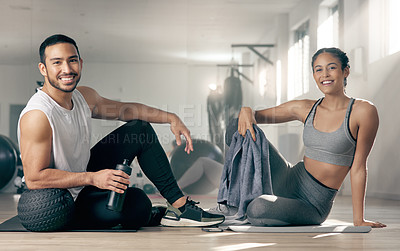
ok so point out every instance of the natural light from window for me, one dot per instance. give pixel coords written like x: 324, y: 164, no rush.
x: 299, y: 61
x: 278, y: 82
x: 328, y: 28
x: 394, y: 23
x: 262, y: 82
x: 384, y: 22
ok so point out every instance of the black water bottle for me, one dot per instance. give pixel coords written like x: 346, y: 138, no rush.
x: 116, y: 200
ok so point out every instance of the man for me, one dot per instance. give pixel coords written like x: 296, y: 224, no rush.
x: 54, y: 131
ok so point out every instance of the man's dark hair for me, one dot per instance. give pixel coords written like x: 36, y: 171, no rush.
x: 52, y: 40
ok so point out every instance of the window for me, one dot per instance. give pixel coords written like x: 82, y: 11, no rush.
x: 299, y: 62
x: 278, y: 82
x: 394, y: 22
x: 328, y: 24
x: 384, y: 20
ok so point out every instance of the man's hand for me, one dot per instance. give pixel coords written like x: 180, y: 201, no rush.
x: 178, y: 128
x: 246, y: 122
x: 114, y: 180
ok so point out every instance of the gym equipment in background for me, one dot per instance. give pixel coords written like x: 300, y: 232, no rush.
x: 232, y: 96
x: 200, y: 171
x: 232, y: 91
x: 9, y: 158
x: 225, y: 105
x: 139, y: 180
x: 46, y: 210
x: 215, y: 111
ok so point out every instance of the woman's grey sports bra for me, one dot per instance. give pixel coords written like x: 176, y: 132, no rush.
x: 337, y: 148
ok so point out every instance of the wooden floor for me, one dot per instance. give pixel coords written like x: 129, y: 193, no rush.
x: 163, y: 238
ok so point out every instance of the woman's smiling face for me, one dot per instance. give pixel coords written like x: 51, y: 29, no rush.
x: 328, y: 73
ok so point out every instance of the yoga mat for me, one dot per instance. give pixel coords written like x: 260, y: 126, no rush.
x: 14, y: 225
x: 302, y: 229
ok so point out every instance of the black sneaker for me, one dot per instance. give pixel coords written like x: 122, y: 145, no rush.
x: 157, y: 212
x: 192, y: 216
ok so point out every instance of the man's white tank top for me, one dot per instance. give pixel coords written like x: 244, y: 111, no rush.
x: 71, y: 130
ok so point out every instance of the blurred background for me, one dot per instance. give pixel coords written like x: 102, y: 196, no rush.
x: 186, y: 56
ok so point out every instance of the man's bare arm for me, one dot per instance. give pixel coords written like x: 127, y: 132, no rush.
x: 36, y: 143
x: 104, y: 108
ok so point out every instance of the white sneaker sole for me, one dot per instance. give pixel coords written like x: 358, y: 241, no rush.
x: 188, y: 223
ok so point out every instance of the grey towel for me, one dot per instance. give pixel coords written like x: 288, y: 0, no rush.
x: 246, y: 174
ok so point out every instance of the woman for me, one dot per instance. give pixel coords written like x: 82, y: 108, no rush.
x: 339, y: 132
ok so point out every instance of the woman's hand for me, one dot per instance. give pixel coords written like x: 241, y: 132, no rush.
x: 246, y: 122
x: 370, y: 223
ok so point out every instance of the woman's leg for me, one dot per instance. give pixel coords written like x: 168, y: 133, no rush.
x: 272, y: 210
x: 280, y: 168
x: 305, y: 201
x: 137, y: 139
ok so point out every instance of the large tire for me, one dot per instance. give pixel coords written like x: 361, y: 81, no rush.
x: 46, y: 210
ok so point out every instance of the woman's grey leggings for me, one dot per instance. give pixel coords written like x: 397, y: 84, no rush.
x: 298, y: 199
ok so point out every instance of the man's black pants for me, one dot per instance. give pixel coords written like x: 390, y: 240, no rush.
x: 133, y: 139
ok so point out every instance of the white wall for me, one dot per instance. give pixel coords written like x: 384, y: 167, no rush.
x: 384, y: 162
x: 177, y: 88
x: 376, y: 82
x: 17, y: 84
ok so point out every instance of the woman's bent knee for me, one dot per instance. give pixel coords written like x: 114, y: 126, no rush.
x: 261, y: 212
x: 260, y: 205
